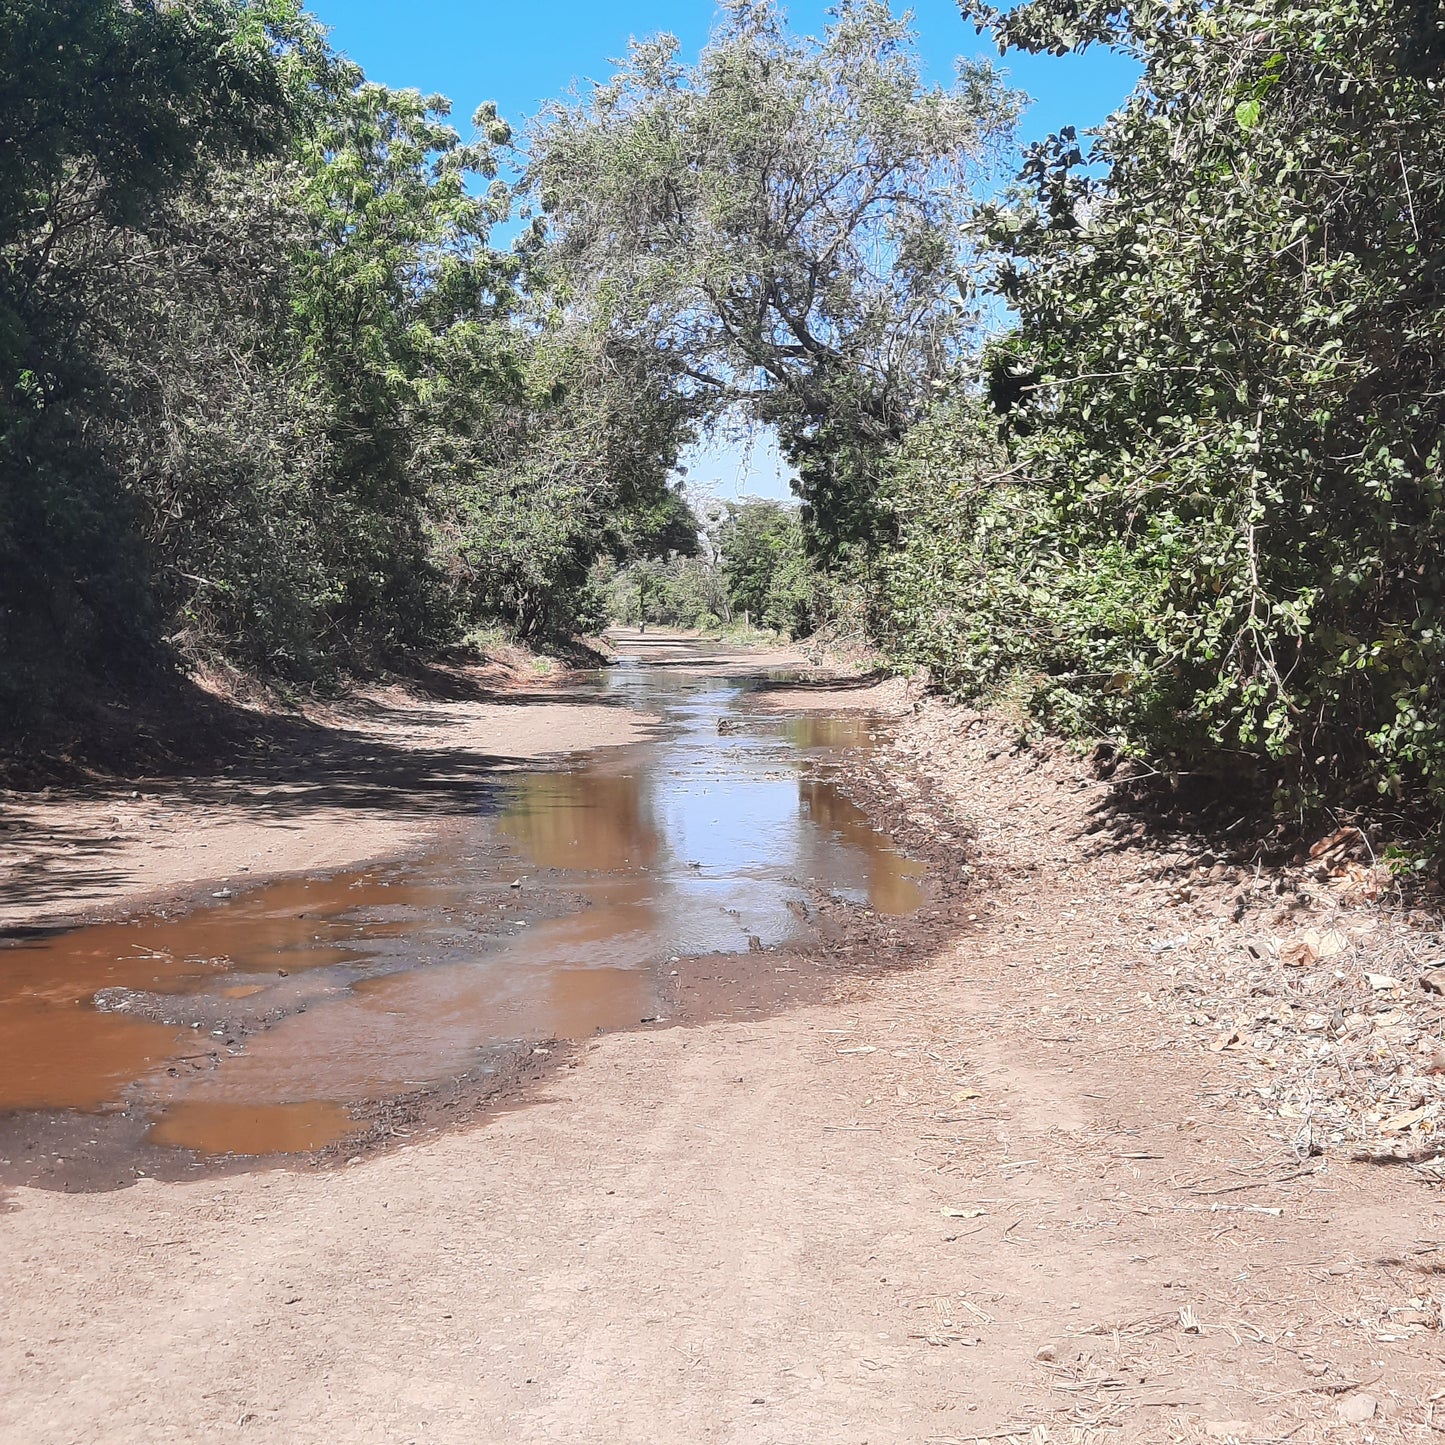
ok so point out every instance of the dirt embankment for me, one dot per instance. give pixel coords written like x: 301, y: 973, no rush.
x: 1090, y: 1170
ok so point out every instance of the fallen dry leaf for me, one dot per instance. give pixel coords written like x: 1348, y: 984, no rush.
x: 1300, y: 954
x: 1313, y: 946
x: 1401, y: 1122
x: 1339, y: 844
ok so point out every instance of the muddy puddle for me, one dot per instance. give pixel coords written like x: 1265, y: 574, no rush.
x: 259, y: 1023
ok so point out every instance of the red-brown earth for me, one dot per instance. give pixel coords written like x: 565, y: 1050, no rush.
x: 1131, y: 1140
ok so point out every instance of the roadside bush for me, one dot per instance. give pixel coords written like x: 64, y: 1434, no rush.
x: 1221, y: 538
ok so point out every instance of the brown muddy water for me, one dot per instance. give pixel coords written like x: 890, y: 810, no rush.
x: 260, y: 1023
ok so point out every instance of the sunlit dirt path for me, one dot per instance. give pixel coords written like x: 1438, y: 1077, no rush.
x: 923, y: 1211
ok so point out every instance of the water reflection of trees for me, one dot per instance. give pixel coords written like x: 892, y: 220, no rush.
x: 892, y: 879
x: 825, y: 730
x: 586, y: 819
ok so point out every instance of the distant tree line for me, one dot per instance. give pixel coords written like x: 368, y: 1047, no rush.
x: 750, y: 569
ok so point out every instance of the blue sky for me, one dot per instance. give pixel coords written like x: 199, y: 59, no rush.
x: 523, y: 54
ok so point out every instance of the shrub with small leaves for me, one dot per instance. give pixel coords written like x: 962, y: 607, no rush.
x: 1224, y: 541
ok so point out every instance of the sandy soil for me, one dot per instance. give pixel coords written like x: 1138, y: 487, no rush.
x: 1010, y: 1192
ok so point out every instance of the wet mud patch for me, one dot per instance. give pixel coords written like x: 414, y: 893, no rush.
x: 720, y: 870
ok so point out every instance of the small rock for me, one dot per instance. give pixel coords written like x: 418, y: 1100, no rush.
x: 1046, y: 1352
x: 1433, y: 979
x: 1357, y: 1409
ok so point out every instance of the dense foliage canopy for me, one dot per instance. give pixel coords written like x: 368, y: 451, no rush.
x: 267, y: 394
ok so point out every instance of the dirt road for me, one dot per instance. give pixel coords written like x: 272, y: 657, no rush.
x: 1004, y: 1191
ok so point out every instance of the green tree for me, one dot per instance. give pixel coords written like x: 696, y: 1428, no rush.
x: 576, y: 466
x: 109, y: 111
x: 783, y: 224
x: 401, y: 309
x: 765, y: 566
